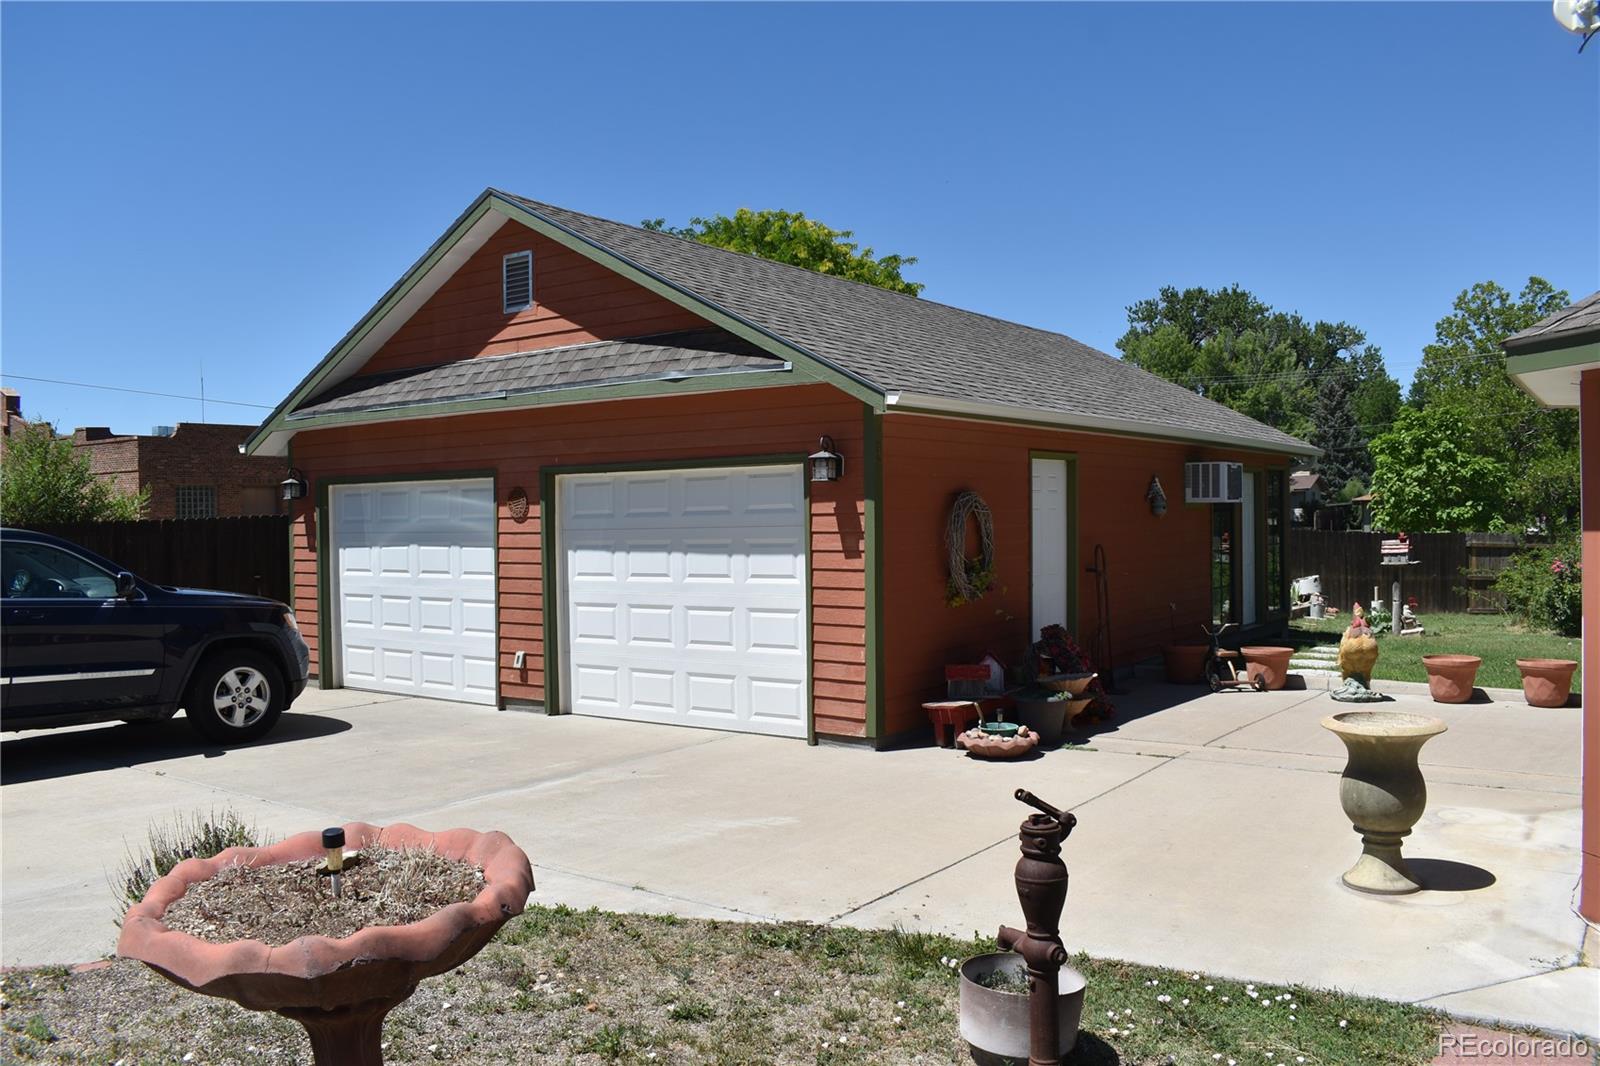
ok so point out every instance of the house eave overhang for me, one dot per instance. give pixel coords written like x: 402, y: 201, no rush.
x: 947, y: 407
x: 1551, y: 375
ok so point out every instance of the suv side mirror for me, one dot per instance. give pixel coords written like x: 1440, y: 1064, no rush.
x: 126, y: 585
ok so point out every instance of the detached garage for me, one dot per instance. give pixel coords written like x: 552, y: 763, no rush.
x: 575, y: 466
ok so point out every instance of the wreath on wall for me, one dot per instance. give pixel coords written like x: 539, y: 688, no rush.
x: 969, y: 577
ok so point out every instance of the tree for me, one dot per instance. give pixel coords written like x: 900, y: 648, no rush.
x: 43, y: 481
x: 1465, y: 354
x: 790, y: 237
x: 1428, y: 480
x: 1318, y: 381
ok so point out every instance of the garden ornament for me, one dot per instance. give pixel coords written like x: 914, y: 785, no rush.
x: 1157, y: 497
x: 1041, y: 879
x: 1358, y: 653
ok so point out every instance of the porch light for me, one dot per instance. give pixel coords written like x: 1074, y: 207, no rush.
x: 293, y: 487
x: 826, y: 464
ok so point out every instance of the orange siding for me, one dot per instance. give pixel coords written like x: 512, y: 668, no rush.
x: 517, y: 444
x: 1159, y: 566
x: 575, y: 301
x: 1589, y: 415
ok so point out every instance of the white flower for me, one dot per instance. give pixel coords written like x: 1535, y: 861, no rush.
x: 844, y: 1038
x: 775, y: 993
x: 900, y: 1003
x: 188, y: 1057
x: 1211, y: 988
x: 1185, y: 1003
x: 432, y: 1048
x: 1344, y: 1023
x: 1269, y: 1054
x: 1217, y: 1057
x: 824, y: 1043
x: 1111, y: 1014
x: 650, y: 1054
x: 1126, y: 1013
x: 1233, y: 1062
x: 1248, y: 987
x: 1224, y: 999
x: 897, y: 1019
x: 581, y: 992
x: 1291, y: 1017
x: 1194, y: 977
x: 1252, y: 993
x: 944, y: 960
x: 1299, y: 1058
x: 446, y: 1006
x: 1163, y: 999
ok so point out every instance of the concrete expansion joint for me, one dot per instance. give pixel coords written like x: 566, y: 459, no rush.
x: 1574, y: 964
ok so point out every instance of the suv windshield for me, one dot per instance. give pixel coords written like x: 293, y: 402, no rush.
x: 39, y: 572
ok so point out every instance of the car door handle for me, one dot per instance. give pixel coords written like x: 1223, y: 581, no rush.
x: 25, y: 614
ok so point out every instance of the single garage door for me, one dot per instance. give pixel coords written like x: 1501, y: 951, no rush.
x: 415, y: 587
x: 685, y: 597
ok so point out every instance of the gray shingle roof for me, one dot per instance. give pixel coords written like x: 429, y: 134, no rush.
x: 1568, y: 327
x: 906, y: 344
x: 549, y: 369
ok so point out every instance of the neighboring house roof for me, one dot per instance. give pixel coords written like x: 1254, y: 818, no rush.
x: 1301, y: 480
x: 1568, y: 327
x: 896, y: 351
x: 673, y: 355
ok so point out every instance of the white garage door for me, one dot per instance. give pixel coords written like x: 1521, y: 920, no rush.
x: 686, y: 597
x: 414, y: 587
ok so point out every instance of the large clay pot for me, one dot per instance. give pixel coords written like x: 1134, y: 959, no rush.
x: 995, y: 1022
x: 1450, y: 677
x: 1382, y: 791
x: 1547, y: 682
x: 339, y: 990
x: 1271, y: 664
x: 1185, y: 663
x: 1044, y: 717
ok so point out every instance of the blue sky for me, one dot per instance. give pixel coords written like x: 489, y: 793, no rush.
x: 229, y: 188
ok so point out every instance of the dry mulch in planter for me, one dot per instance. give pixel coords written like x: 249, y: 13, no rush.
x: 280, y: 902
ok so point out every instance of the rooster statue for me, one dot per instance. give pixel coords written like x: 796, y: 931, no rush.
x: 1358, y: 653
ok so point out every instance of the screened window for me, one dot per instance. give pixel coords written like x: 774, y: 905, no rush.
x: 1277, y: 586
x: 197, y: 501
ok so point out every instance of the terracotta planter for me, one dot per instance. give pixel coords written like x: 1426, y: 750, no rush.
x: 1382, y: 791
x: 1450, y: 677
x: 984, y: 746
x: 995, y: 1022
x: 1271, y: 664
x: 339, y: 990
x: 1185, y: 663
x: 1547, y: 682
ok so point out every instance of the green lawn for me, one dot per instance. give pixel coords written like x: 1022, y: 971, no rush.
x: 1494, y: 638
x: 592, y: 988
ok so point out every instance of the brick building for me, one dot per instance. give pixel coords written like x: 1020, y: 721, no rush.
x: 194, y: 470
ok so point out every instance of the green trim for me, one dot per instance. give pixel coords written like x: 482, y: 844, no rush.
x: 872, y: 497
x: 1074, y: 553
x: 549, y: 574
x: 626, y: 390
x: 816, y: 366
x: 1553, y: 351
x: 397, y: 292
x: 325, y: 633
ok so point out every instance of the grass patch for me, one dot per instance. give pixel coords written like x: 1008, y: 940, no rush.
x: 637, y: 989
x: 1495, y: 638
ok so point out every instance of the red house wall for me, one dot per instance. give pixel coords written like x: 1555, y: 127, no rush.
x: 1159, y: 567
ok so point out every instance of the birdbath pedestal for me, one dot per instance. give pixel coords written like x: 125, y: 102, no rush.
x: 1382, y: 791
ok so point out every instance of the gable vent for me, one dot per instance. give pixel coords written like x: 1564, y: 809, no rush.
x: 517, y: 273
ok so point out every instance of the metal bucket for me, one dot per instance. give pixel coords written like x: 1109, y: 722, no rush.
x: 995, y: 1023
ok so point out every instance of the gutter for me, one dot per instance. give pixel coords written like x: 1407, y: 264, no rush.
x: 922, y: 403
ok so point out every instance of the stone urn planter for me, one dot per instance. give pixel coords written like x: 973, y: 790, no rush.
x: 995, y: 1020
x: 1268, y: 663
x: 1451, y: 677
x: 339, y: 990
x: 1185, y: 663
x: 1382, y: 791
x: 1547, y: 682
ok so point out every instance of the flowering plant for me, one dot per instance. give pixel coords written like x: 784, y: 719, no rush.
x: 1543, y: 587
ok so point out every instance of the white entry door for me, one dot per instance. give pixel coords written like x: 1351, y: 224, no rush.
x: 414, y: 587
x: 1051, y: 552
x: 685, y: 597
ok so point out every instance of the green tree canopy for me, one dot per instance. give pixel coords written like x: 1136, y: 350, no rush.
x: 1321, y: 381
x: 44, y: 480
x: 1428, y: 480
x: 790, y: 237
x: 1465, y: 355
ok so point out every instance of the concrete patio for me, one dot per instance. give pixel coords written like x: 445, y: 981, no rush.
x: 1210, y: 835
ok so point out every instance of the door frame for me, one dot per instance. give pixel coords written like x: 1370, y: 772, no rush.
x: 327, y: 620
x: 1070, y: 459
x: 552, y: 574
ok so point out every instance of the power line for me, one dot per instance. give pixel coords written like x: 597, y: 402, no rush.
x: 141, y: 392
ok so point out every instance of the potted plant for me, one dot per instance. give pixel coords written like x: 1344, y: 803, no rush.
x: 1451, y: 677
x: 1268, y: 663
x: 994, y: 1006
x: 1184, y: 660
x: 338, y: 988
x: 1547, y: 682
x: 1050, y: 703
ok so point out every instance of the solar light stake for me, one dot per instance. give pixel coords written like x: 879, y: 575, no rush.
x: 333, y: 840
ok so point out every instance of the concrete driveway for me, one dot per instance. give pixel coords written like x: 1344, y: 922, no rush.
x: 1210, y: 835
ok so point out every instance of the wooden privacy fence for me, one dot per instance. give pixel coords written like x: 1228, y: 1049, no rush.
x: 1454, y: 572
x: 249, y: 555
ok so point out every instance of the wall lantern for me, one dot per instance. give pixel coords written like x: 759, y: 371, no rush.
x: 1157, y: 497
x: 826, y: 464
x: 293, y: 487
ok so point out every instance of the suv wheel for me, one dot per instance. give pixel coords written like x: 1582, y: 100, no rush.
x: 235, y: 697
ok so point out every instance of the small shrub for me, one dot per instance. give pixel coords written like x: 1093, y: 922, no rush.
x: 194, y: 836
x: 1543, y: 587
x: 692, y: 1010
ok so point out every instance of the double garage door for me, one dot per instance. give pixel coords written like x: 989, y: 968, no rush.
x: 682, y: 594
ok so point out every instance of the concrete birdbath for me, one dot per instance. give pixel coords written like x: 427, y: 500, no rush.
x: 1382, y: 791
x: 338, y: 989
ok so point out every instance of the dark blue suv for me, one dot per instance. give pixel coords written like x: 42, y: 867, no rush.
x: 86, y: 641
